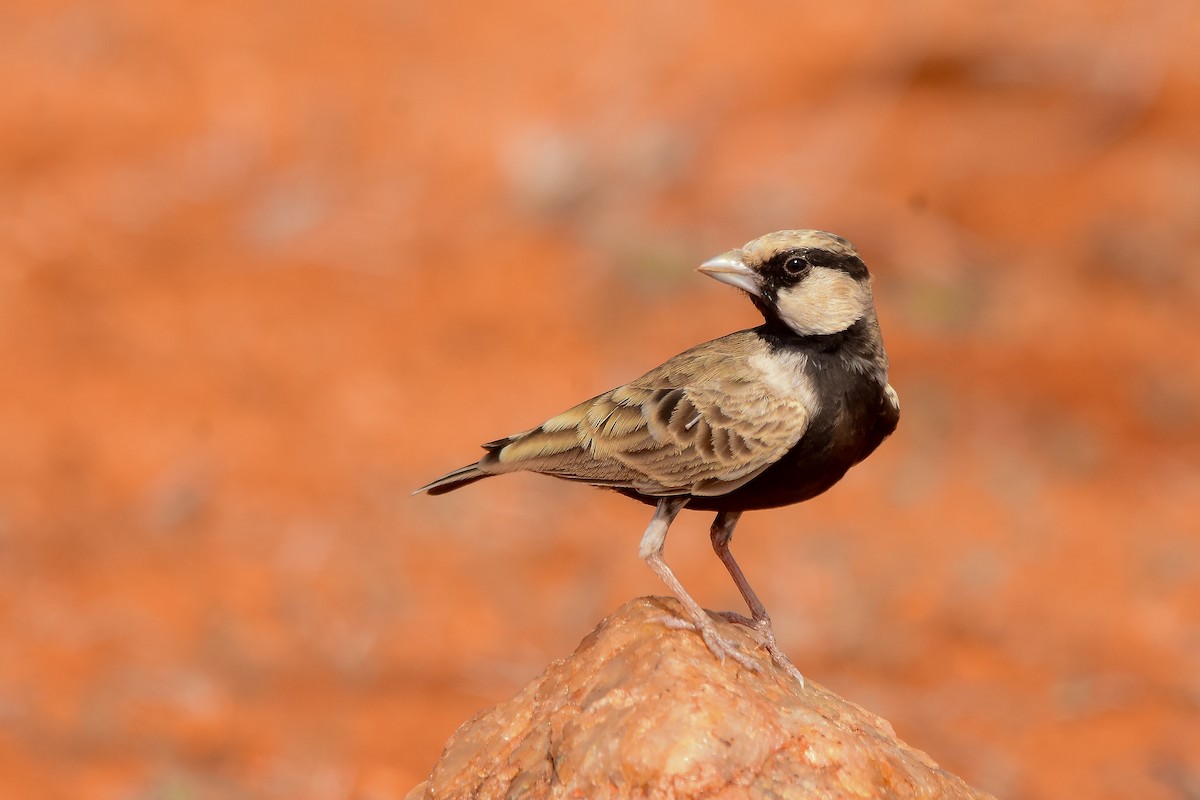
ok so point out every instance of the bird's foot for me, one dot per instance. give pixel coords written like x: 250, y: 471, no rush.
x: 783, y: 662
x: 736, y: 618
x: 718, y: 644
x: 761, y: 625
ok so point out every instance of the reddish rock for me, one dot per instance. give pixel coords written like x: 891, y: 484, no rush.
x: 644, y: 711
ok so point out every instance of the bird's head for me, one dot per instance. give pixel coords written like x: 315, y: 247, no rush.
x: 811, y: 281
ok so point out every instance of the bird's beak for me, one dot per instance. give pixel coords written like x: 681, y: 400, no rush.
x: 730, y: 268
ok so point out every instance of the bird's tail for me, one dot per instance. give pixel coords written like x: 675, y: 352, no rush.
x: 454, y: 480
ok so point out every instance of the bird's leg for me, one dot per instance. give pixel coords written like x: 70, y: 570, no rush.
x: 721, y: 534
x: 651, y: 551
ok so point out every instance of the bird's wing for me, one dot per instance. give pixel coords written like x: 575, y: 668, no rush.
x: 699, y: 424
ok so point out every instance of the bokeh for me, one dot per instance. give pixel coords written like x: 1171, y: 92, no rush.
x: 266, y: 267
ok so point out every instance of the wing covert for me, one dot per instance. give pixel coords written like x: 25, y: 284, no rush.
x: 686, y: 427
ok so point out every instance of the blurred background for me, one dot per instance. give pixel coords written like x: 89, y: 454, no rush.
x: 266, y: 267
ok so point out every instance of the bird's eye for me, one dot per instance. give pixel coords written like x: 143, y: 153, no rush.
x: 795, y: 265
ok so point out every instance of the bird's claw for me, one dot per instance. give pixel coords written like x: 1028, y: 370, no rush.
x: 761, y: 626
x: 716, y: 643
x: 736, y: 618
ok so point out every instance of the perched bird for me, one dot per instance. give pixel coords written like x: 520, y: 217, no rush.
x: 760, y: 418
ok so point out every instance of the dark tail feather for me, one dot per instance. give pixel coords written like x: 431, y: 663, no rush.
x: 454, y: 480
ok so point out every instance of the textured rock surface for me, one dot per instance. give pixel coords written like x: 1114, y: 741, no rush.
x: 641, y: 710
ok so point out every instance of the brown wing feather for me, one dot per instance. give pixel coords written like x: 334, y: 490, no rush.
x: 690, y: 426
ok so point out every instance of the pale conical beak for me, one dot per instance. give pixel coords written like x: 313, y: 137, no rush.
x: 729, y: 268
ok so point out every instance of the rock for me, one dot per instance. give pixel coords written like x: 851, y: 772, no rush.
x: 641, y: 710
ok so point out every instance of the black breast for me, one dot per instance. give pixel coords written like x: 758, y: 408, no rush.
x: 855, y: 416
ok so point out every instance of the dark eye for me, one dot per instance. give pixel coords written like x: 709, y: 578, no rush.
x: 794, y: 265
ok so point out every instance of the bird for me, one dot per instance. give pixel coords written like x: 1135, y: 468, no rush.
x: 757, y: 419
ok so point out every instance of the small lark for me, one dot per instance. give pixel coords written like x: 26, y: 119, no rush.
x: 760, y: 418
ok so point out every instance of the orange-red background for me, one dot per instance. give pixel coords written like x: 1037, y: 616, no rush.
x: 265, y: 267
